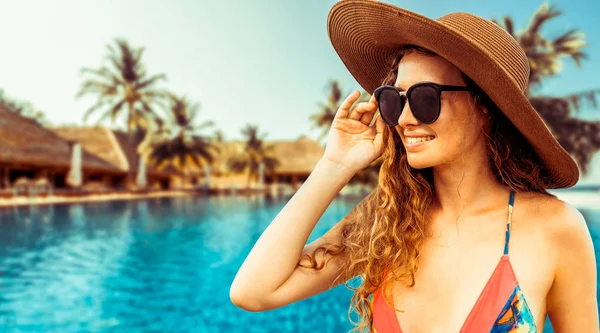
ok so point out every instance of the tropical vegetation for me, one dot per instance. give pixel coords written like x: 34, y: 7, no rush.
x: 579, y: 137
x: 256, y: 155
x: 125, y: 89
x: 322, y: 120
x: 178, y: 142
x: 23, y: 108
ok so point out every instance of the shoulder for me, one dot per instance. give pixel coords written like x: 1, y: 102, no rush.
x: 569, y: 250
x: 558, y: 218
x: 562, y: 225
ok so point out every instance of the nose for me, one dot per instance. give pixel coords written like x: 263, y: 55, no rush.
x: 406, y: 117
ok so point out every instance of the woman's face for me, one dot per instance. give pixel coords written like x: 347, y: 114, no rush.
x: 457, y: 131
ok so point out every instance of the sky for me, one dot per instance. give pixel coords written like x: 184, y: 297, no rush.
x: 259, y: 62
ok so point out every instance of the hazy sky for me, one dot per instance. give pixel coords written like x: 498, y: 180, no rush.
x: 260, y: 62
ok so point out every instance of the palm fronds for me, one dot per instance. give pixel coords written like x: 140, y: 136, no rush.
x: 255, y: 153
x: 178, y: 141
x: 123, y: 87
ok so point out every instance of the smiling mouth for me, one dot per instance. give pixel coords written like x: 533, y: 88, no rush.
x: 410, y: 140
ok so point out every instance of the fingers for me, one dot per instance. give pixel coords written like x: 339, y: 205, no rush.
x: 367, y: 117
x: 380, y: 127
x: 344, y: 109
x: 364, y: 109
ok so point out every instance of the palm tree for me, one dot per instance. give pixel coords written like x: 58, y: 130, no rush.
x: 545, y: 55
x: 178, y: 142
x: 124, y: 87
x: 218, y: 136
x: 254, y: 154
x: 579, y: 137
x: 324, y: 117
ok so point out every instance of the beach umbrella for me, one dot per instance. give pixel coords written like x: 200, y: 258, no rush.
x: 74, y: 176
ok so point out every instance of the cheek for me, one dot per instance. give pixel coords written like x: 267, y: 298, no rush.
x: 456, y: 130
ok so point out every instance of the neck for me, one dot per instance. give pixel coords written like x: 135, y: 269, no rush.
x: 467, y: 189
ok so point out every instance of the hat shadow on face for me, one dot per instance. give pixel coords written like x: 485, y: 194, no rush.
x: 461, y: 119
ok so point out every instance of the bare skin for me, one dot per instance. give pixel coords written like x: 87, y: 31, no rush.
x: 464, y: 247
x: 550, y: 247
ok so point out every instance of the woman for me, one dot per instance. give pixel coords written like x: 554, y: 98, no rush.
x: 460, y: 233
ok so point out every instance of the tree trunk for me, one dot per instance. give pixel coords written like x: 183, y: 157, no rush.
x: 207, y: 176
x: 261, y: 175
x: 141, y: 173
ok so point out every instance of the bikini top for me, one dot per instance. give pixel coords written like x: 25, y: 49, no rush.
x: 500, y: 308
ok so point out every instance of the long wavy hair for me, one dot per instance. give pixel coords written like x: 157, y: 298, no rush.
x: 385, y: 232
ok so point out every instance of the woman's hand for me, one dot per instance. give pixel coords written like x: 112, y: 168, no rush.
x: 352, y: 143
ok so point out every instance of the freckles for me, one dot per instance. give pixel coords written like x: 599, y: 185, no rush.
x: 449, y: 116
x: 458, y: 117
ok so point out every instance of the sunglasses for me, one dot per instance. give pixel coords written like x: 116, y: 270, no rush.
x: 423, y: 98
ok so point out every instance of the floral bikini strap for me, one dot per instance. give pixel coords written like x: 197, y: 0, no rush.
x: 511, y: 202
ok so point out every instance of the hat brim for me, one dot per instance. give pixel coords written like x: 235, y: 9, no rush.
x: 367, y: 35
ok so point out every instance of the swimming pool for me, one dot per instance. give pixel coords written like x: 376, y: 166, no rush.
x: 156, y: 265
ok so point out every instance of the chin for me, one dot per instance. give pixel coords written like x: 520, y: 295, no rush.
x: 419, y: 163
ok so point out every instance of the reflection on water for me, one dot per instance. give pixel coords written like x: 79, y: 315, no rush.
x: 162, y: 264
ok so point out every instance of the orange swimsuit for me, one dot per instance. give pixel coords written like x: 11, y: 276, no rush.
x: 500, y: 308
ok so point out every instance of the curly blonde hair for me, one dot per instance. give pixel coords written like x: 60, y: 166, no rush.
x: 385, y: 232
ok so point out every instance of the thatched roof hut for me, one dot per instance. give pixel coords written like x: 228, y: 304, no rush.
x: 98, y: 140
x: 24, y: 142
x: 226, y: 151
x: 129, y: 145
x: 296, y: 157
x: 114, y: 146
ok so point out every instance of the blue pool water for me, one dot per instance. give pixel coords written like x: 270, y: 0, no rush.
x: 156, y: 265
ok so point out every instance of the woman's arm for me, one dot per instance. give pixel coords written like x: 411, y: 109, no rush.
x: 273, y: 260
x: 270, y: 276
x: 572, y: 304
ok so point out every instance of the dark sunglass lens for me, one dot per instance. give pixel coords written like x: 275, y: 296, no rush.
x: 390, y: 106
x: 425, y: 103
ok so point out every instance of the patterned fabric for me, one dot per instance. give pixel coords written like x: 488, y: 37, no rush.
x: 515, y: 316
x: 501, y: 294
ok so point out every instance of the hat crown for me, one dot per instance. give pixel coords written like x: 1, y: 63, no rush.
x: 496, y: 42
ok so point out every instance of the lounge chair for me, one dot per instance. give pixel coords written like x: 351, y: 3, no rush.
x: 21, y: 186
x: 40, y: 186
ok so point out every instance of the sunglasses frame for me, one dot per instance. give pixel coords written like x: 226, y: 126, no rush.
x: 437, y: 87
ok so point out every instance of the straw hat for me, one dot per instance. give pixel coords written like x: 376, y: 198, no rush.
x: 367, y: 35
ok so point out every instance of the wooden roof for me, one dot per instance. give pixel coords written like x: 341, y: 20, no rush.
x: 295, y: 156
x: 113, y: 146
x: 98, y: 140
x: 129, y: 148
x: 299, y: 156
x: 24, y: 141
